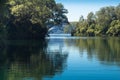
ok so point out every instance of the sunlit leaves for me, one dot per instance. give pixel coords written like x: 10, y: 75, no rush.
x: 114, y: 28
x: 106, y: 21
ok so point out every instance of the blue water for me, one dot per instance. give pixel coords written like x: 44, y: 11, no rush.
x: 83, y: 62
x: 61, y: 58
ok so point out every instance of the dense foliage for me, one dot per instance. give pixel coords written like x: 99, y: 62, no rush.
x: 30, y: 19
x: 106, y: 21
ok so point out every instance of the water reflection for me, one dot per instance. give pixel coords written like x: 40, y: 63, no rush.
x: 60, y: 58
x: 57, y: 53
x: 28, y: 60
x: 106, y: 50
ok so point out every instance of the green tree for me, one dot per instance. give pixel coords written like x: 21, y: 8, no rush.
x: 81, y: 28
x: 114, y: 29
x: 91, y: 30
x: 35, y: 11
x: 117, y: 11
x: 81, y: 18
x: 30, y: 18
x: 4, y: 15
x: 91, y: 18
x: 103, y: 22
x: 59, y: 16
x: 104, y: 17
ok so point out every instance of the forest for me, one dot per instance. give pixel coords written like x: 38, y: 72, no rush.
x: 105, y: 22
x: 29, y: 19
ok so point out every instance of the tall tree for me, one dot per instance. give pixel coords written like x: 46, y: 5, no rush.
x: 104, y: 17
x: 59, y: 14
x: 117, y: 11
x: 91, y: 18
x: 31, y: 17
x: 81, y: 18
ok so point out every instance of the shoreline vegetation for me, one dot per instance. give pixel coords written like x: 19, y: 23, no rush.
x: 31, y: 19
x: 105, y: 22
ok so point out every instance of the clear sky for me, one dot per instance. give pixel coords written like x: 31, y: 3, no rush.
x: 76, y: 8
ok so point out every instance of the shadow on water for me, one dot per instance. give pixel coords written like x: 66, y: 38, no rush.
x: 28, y: 60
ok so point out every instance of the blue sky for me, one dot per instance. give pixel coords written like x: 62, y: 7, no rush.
x: 76, y: 8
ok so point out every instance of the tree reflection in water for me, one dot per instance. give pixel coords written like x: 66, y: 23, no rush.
x: 105, y: 50
x: 23, y: 60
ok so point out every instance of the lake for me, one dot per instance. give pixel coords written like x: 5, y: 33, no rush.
x: 61, y: 58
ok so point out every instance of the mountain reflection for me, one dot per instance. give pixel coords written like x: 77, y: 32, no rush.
x: 105, y: 50
x: 29, y: 60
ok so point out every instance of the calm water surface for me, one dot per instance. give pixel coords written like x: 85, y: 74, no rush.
x: 61, y: 58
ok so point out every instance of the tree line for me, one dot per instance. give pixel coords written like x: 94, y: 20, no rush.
x: 30, y: 19
x: 105, y: 22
